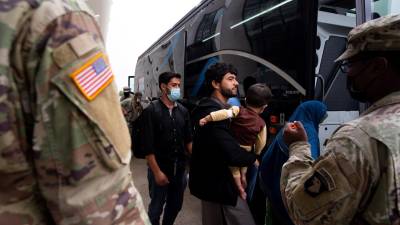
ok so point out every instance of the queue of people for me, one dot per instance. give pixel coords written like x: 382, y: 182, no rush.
x: 76, y: 170
x: 349, y: 184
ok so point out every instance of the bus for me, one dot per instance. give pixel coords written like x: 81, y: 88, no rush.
x: 290, y: 45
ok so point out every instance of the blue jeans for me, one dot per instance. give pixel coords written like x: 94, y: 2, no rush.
x: 170, y: 195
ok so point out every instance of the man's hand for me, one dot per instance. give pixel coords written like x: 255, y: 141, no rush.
x: 161, y: 179
x: 294, y: 132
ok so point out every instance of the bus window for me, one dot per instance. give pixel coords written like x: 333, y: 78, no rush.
x: 384, y: 7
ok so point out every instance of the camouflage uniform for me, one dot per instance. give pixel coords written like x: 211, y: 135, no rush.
x: 125, y: 94
x: 357, y: 180
x: 131, y: 109
x: 64, y: 158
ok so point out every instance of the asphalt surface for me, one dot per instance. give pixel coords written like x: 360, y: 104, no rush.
x: 191, y: 210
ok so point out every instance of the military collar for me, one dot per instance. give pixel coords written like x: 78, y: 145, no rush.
x: 392, y: 98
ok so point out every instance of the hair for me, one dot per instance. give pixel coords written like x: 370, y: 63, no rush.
x: 216, y: 73
x: 166, y: 77
x: 258, y: 95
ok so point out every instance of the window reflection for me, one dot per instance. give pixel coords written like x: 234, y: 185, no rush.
x: 275, y: 36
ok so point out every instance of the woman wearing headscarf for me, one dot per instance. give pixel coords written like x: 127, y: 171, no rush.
x: 311, y: 114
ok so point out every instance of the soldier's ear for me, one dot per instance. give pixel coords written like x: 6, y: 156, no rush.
x: 379, y: 65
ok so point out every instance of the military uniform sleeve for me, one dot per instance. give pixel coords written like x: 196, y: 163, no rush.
x: 332, y: 189
x: 80, y: 142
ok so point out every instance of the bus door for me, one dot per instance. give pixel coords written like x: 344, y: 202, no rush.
x: 335, y: 19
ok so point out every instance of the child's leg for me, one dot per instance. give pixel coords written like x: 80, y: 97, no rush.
x: 238, y: 182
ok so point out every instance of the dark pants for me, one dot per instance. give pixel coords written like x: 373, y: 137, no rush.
x: 219, y: 214
x: 170, y: 195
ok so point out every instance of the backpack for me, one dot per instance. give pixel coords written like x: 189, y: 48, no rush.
x: 137, y: 134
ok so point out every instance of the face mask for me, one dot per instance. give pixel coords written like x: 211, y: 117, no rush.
x: 174, y: 94
x: 355, y: 94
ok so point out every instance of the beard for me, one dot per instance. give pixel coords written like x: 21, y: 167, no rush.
x: 228, y: 93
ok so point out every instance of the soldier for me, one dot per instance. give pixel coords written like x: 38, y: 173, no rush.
x: 126, y: 93
x: 132, y: 108
x: 64, y: 149
x: 357, y: 180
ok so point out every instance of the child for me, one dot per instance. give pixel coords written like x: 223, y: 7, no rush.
x: 247, y: 126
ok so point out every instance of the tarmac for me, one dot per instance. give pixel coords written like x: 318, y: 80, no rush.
x: 191, y: 210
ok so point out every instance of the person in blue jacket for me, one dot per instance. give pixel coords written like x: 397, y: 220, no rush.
x: 311, y: 114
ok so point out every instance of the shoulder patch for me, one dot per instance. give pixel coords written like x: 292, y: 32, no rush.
x: 93, y: 76
x: 319, y: 182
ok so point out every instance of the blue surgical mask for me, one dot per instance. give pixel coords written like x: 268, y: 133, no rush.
x: 174, y: 94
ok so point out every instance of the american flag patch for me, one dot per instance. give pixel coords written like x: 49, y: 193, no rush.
x: 93, y: 76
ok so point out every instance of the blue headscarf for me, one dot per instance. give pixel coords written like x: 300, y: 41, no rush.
x: 310, y: 114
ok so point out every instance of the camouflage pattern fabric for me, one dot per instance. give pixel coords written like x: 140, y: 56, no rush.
x: 131, y: 109
x: 357, y: 180
x: 63, y: 159
x: 381, y: 34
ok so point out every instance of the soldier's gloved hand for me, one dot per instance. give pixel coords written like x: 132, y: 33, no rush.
x: 294, y: 132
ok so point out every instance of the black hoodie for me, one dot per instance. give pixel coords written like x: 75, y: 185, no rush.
x: 214, y: 151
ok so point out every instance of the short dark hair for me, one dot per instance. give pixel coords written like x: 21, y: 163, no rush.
x: 165, y: 77
x: 216, y: 73
x: 258, y: 95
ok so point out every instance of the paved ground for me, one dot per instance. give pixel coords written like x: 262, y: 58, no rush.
x: 190, y: 213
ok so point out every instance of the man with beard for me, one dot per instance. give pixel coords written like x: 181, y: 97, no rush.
x: 357, y: 180
x: 214, y: 151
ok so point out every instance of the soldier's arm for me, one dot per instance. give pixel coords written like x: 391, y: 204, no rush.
x: 331, y: 189
x: 81, y: 143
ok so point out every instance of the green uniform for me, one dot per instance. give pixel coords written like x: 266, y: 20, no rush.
x: 131, y: 109
x: 64, y: 146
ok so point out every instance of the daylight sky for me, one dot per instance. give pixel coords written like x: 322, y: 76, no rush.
x: 135, y: 25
